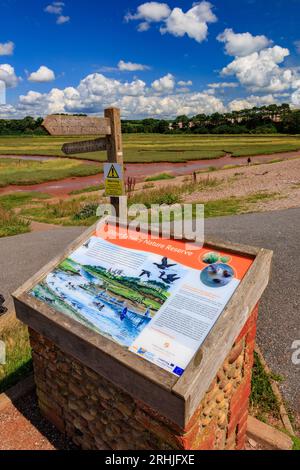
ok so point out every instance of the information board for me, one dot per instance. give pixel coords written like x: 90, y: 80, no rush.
x: 157, y: 298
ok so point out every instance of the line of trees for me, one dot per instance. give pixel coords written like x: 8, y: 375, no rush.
x: 26, y: 126
x: 264, y: 120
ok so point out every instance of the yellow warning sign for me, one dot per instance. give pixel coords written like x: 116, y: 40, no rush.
x: 113, y: 173
x: 113, y: 188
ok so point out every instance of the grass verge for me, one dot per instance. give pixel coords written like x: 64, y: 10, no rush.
x: 13, y: 201
x: 11, y: 224
x: 18, y: 356
x: 263, y: 401
x: 234, y: 205
x: 77, y: 211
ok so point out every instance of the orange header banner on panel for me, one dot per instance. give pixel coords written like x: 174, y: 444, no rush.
x: 187, y: 254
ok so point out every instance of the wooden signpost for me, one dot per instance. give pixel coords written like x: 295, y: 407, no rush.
x: 76, y: 125
x: 109, y: 127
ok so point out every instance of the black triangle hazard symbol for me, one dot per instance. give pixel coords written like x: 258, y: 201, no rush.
x: 113, y: 173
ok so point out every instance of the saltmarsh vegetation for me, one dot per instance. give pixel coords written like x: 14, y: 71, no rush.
x: 29, y: 172
x: 147, y: 148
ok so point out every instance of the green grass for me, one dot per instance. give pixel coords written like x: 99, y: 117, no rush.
x: 12, y: 201
x: 234, y: 205
x: 11, y: 224
x: 263, y: 400
x: 72, y: 212
x: 21, y: 172
x: 18, y: 356
x: 162, y: 176
x: 82, y: 211
x: 296, y: 442
x: 172, y: 194
x: 89, y: 189
x: 139, y: 148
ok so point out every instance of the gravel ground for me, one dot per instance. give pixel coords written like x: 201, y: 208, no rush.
x: 22, y: 427
x: 282, y: 178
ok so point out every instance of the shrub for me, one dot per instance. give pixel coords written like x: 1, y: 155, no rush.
x: 87, y: 211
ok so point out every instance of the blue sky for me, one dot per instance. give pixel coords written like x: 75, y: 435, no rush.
x: 150, y: 58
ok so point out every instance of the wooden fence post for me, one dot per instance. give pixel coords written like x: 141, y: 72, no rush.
x: 115, y: 148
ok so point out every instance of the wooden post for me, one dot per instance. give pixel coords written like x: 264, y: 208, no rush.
x: 115, y: 147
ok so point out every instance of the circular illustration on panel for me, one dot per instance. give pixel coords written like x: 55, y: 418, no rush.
x: 217, y: 275
x: 213, y: 257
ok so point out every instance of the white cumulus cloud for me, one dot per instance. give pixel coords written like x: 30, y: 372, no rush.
x: 150, y: 11
x: 185, y: 83
x: 251, y: 101
x: 242, y: 44
x: 131, y: 66
x: 7, y: 48
x: 8, y: 75
x: 96, y: 92
x: 261, y: 70
x: 295, y: 98
x: 193, y: 23
x: 164, y: 84
x: 42, y: 75
x: 217, y: 85
x: 259, y: 66
x: 142, y: 27
x: 57, y: 8
x: 7, y: 111
x: 63, y: 19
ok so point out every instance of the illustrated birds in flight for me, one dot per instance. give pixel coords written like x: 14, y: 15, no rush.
x: 164, y: 264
